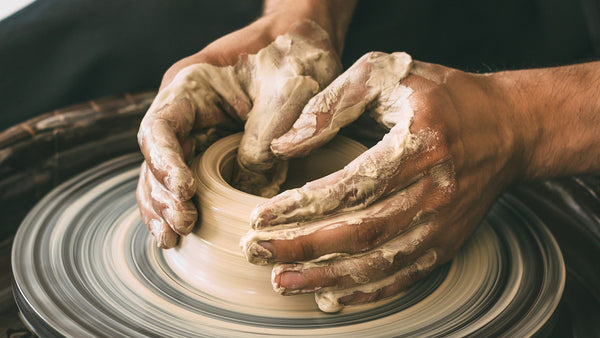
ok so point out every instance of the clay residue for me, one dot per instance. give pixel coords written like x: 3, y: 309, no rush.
x: 268, y: 89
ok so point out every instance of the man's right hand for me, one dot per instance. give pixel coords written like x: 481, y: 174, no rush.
x: 261, y: 75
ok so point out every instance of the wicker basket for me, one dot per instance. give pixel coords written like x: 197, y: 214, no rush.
x: 40, y: 153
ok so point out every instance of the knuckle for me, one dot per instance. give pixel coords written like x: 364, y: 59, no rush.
x: 409, y: 245
x: 444, y: 178
x: 372, y: 56
x: 379, y: 264
x: 255, y: 160
x: 434, y: 142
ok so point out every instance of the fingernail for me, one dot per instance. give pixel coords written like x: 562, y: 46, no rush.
x: 181, y: 184
x: 259, y: 219
x: 182, y: 222
x: 260, y: 253
x: 292, y: 280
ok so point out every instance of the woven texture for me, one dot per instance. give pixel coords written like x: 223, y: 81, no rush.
x: 40, y: 153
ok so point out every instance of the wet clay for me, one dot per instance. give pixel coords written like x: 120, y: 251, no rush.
x: 210, y: 258
x: 265, y: 89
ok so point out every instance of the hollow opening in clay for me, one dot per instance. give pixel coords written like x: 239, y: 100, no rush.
x: 300, y: 170
x: 210, y: 258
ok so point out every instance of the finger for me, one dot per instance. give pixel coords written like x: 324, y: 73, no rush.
x: 280, y: 79
x: 356, y: 231
x: 273, y: 113
x: 181, y: 216
x: 160, y: 137
x: 287, y: 73
x: 430, y: 71
x: 348, y: 233
x: 398, y: 160
x: 259, y: 172
x: 162, y: 232
x: 345, y: 272
x: 333, y: 300
x: 342, y: 102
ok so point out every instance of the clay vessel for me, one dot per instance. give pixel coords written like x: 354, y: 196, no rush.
x: 210, y: 258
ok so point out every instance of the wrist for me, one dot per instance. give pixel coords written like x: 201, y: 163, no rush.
x: 333, y: 16
x: 554, y: 114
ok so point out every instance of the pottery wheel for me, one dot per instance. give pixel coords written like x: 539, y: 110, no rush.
x: 84, y: 264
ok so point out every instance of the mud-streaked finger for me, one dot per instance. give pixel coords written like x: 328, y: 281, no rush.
x: 180, y: 215
x: 284, y: 76
x: 162, y: 232
x: 348, y: 233
x: 333, y: 300
x: 273, y: 113
x: 160, y: 140
x: 342, y: 102
x: 350, y: 271
x: 398, y: 160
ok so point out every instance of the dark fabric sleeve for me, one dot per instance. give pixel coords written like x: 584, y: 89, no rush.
x: 57, y: 52
x: 475, y: 35
x: 591, y: 10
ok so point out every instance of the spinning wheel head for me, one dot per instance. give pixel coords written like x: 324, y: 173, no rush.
x: 84, y: 264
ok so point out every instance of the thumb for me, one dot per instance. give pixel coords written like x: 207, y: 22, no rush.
x: 282, y: 77
x: 273, y: 113
x: 342, y: 102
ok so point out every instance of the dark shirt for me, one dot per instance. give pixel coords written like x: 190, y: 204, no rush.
x: 58, y: 52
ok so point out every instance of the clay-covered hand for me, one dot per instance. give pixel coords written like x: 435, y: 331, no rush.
x: 249, y: 77
x: 404, y: 206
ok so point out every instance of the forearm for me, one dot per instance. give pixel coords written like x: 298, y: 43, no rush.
x: 332, y: 15
x: 556, y: 116
x: 278, y: 17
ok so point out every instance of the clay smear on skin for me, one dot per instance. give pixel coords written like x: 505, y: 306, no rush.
x: 393, y: 109
x: 373, y: 166
x: 389, y: 101
x: 328, y: 299
x: 401, y: 201
x: 279, y: 68
x: 344, y: 265
x: 198, y: 91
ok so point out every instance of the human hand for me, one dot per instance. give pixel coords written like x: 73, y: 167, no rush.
x: 403, y: 207
x: 222, y: 87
